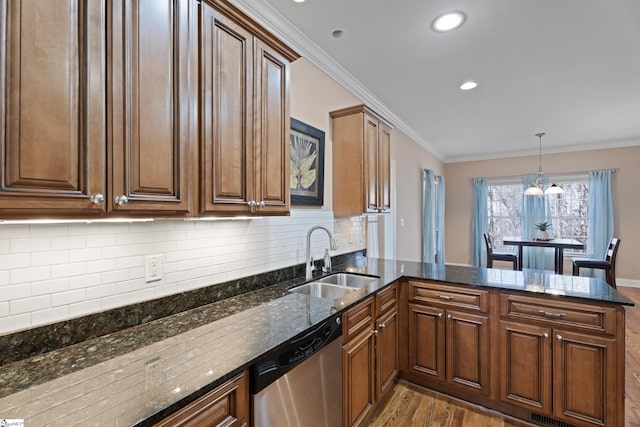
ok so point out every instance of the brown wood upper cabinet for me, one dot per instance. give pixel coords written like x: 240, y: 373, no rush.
x: 98, y: 97
x: 245, y: 116
x: 153, y: 69
x: 361, y: 161
x: 52, y: 107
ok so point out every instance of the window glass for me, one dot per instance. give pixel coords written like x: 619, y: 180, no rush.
x: 569, y: 211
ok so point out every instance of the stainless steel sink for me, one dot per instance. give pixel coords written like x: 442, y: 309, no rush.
x: 323, y: 290
x: 348, y: 279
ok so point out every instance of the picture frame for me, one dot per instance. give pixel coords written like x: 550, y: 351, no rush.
x: 306, y: 182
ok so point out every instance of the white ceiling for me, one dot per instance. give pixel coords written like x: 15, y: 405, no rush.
x: 570, y: 68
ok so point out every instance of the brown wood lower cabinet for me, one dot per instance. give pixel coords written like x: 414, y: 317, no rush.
x: 369, y: 354
x: 448, y: 345
x: 541, y: 358
x: 226, y: 405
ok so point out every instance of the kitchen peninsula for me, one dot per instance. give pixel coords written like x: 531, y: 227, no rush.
x: 145, y: 372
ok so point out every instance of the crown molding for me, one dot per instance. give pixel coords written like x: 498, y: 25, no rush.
x: 270, y: 18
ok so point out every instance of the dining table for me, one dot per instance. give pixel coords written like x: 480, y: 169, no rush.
x: 559, y: 245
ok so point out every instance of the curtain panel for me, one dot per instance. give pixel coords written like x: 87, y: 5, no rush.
x: 601, y: 220
x: 433, y: 197
x: 479, y: 223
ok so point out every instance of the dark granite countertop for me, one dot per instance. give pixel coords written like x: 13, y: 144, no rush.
x: 128, y: 376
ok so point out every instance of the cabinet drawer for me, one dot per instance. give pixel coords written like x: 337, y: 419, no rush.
x: 226, y: 405
x: 386, y: 299
x: 425, y: 292
x: 583, y: 316
x: 357, y: 319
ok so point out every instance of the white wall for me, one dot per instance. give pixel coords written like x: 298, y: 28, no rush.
x: 54, y: 272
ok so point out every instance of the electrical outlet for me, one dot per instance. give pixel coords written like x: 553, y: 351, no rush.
x: 152, y: 268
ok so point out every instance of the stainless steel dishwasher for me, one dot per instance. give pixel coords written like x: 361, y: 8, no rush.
x: 300, y: 385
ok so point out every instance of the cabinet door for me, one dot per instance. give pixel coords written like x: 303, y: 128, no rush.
x: 583, y: 382
x: 371, y: 129
x: 384, y: 168
x: 52, y: 106
x: 226, y: 111
x: 525, y: 367
x: 427, y: 342
x: 272, y: 130
x: 358, y: 387
x: 386, y: 352
x: 154, y: 61
x: 468, y: 351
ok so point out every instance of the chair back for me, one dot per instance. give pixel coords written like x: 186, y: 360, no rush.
x: 612, y: 251
x: 488, y: 243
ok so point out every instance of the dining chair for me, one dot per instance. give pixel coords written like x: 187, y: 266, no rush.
x: 493, y: 255
x: 608, y: 264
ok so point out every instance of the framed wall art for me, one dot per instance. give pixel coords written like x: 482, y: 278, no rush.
x: 307, y: 164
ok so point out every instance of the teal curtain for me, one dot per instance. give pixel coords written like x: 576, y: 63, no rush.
x: 601, y: 221
x: 428, y: 218
x: 479, y: 222
x: 440, y: 220
x: 535, y: 209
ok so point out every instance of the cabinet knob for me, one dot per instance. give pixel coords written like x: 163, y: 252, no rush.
x: 262, y: 204
x: 374, y: 332
x: 545, y: 335
x: 559, y: 337
x: 382, y: 326
x: 440, y: 315
x: 97, y: 198
x: 122, y: 200
x: 449, y: 316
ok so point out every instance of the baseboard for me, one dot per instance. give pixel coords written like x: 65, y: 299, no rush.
x: 628, y: 283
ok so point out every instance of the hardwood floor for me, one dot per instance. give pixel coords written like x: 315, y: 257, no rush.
x: 411, y: 406
x: 632, y: 359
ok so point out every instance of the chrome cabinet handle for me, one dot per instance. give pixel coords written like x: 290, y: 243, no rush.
x: 382, y: 326
x: 97, y: 198
x: 262, y: 204
x: 449, y: 316
x: 440, y: 315
x: 374, y: 332
x: 559, y: 337
x: 122, y: 200
x: 545, y: 335
x: 445, y: 297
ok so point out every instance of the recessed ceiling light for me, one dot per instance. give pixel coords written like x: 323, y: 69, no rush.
x: 468, y: 85
x: 448, y: 21
x: 299, y: 1
x: 337, y: 34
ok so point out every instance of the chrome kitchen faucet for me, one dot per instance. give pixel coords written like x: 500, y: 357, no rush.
x: 308, y: 260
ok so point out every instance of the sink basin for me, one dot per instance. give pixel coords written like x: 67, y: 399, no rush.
x: 348, y: 279
x: 323, y: 290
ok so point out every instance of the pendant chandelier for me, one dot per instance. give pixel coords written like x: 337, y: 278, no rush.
x: 536, y: 187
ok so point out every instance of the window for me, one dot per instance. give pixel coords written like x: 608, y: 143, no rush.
x: 568, y: 211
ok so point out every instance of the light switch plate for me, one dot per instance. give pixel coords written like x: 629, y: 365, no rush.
x: 152, y: 268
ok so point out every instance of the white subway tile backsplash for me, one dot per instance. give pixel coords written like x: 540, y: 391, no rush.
x: 68, y: 297
x: 53, y: 286
x: 68, y: 270
x: 4, y: 308
x: 9, y: 261
x: 51, y: 315
x: 78, y: 269
x: 29, y: 305
x: 23, y: 275
x: 30, y: 245
x: 71, y: 242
